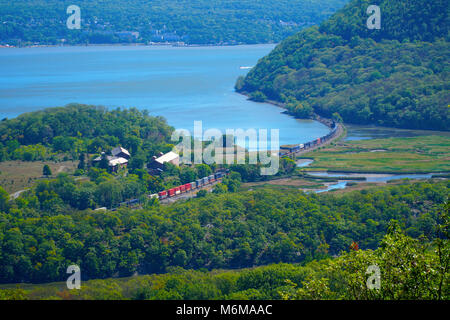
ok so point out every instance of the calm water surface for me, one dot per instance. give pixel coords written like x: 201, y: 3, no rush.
x: 183, y: 84
x: 356, y: 132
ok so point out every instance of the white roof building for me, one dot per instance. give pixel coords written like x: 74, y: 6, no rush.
x: 113, y: 161
x: 121, y: 152
x: 171, y: 157
x: 117, y: 161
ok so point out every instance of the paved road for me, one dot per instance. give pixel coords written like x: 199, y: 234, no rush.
x: 15, y: 195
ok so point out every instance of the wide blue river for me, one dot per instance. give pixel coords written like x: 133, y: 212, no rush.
x: 182, y: 84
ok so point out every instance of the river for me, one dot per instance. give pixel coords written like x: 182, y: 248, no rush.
x: 368, y: 177
x: 182, y: 84
x: 358, y: 132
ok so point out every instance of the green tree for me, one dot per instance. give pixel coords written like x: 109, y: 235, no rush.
x: 337, y: 117
x: 203, y: 170
x: 4, y: 200
x: 187, y: 175
x: 46, y: 171
x: 180, y: 258
x: 220, y: 188
x: 82, y: 163
x: 202, y: 193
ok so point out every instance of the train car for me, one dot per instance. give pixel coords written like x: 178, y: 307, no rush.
x: 163, y: 194
x: 152, y: 196
x: 199, y: 183
x: 129, y: 203
x: 187, y: 187
x: 219, y: 175
x: 171, y: 192
x: 205, y: 181
x: 177, y: 190
x: 211, y: 178
x: 182, y: 188
x: 133, y: 202
x: 193, y: 185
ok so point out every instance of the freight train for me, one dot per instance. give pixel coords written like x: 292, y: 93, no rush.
x: 308, y: 145
x: 198, y: 184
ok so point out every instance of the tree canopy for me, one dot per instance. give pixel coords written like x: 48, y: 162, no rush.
x: 396, y: 76
x: 190, y: 21
x: 41, y: 234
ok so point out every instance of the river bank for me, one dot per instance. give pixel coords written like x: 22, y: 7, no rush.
x: 127, y: 44
x: 312, y: 145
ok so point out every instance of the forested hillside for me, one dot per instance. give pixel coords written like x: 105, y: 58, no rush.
x: 79, y: 129
x: 410, y: 270
x: 40, y: 236
x: 189, y: 21
x: 396, y: 76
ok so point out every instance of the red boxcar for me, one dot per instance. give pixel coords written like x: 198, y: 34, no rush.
x: 177, y: 190
x: 171, y: 192
x: 188, y: 186
x: 162, y: 194
x: 182, y: 188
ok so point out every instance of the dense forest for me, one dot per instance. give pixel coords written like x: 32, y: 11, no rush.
x: 77, y: 129
x: 40, y: 237
x: 396, y: 76
x: 193, y: 22
x: 53, y: 224
x: 409, y: 270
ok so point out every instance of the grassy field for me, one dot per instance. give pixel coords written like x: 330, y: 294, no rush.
x: 18, y: 175
x: 395, y: 155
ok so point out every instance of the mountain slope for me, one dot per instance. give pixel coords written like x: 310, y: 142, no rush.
x: 397, y: 76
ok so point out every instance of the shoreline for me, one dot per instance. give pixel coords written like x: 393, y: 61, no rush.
x: 363, y: 126
x: 154, y: 44
x: 340, y: 133
x: 309, y: 170
x: 324, y: 121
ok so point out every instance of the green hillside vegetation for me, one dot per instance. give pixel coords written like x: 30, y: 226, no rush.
x: 409, y: 270
x: 81, y: 133
x: 77, y: 129
x: 189, y: 21
x: 397, y: 76
x: 40, y: 235
x: 401, y: 20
